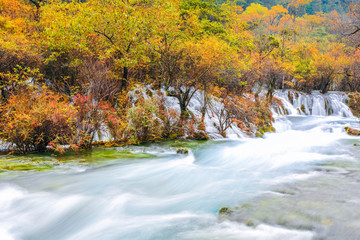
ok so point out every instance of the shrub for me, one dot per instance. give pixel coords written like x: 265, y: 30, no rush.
x: 33, y: 120
x: 254, y: 117
x: 115, y: 121
x: 144, y: 121
x: 92, y: 117
x: 170, y: 119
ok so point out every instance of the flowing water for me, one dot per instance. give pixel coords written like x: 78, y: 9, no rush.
x: 297, y: 183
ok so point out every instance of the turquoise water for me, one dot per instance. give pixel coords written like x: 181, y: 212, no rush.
x: 163, y: 195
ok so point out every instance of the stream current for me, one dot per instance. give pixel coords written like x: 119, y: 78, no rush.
x: 300, y: 182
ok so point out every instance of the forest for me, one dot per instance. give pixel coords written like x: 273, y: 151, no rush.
x: 71, y: 68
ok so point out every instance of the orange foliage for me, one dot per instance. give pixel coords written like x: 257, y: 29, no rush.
x: 34, y: 120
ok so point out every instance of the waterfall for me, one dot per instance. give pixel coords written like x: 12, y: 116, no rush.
x: 316, y: 104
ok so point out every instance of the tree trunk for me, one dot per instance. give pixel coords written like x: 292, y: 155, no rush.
x: 325, y: 82
x: 124, y: 80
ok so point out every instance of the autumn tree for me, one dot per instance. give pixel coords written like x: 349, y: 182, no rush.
x: 330, y: 68
x: 109, y: 31
x: 17, y: 52
x: 295, y: 7
x: 264, y: 46
x: 37, y: 4
x: 352, y: 27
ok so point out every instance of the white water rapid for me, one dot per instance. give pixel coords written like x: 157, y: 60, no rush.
x: 316, y: 104
x: 171, y: 196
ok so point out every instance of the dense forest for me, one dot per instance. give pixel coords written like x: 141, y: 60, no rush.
x: 70, y: 68
x: 311, y: 7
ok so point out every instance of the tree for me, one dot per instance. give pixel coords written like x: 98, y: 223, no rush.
x: 330, y: 67
x: 295, y: 7
x: 37, y: 4
x: 212, y: 62
x: 265, y: 44
x: 352, y: 27
x: 17, y: 53
x: 209, y: 15
x: 107, y: 29
x: 274, y: 16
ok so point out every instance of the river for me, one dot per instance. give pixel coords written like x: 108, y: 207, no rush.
x: 297, y: 183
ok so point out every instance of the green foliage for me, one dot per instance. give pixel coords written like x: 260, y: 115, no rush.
x: 209, y: 14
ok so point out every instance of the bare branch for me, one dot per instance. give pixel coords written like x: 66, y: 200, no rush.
x: 110, y: 38
x: 36, y: 3
x: 354, y: 32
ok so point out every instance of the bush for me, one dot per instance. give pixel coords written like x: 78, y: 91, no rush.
x: 144, y: 122
x: 95, y: 117
x: 252, y: 116
x: 170, y: 119
x: 115, y: 121
x: 33, y: 120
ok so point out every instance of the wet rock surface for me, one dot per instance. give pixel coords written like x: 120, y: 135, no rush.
x: 352, y: 131
x: 328, y: 205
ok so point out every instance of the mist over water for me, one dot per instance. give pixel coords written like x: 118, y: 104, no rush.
x: 174, y: 196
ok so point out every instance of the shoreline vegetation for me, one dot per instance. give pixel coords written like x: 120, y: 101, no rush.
x: 73, y: 73
x: 101, y: 152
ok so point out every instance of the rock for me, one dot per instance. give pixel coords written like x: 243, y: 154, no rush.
x: 224, y: 211
x: 250, y: 223
x: 182, y: 151
x: 352, y: 132
x: 302, y: 108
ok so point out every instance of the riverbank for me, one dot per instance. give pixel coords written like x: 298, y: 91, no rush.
x: 86, y: 158
x: 231, y: 124
x: 151, y: 196
x: 149, y: 116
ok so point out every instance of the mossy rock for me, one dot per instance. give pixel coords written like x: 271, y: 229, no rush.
x: 352, y: 132
x: 262, y: 130
x: 269, y: 129
x: 182, y: 151
x: 250, y: 223
x: 302, y: 108
x: 225, y: 211
x: 260, y: 133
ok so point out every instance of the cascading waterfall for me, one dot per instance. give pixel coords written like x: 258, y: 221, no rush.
x: 294, y: 103
x: 315, y: 104
x: 172, y: 196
